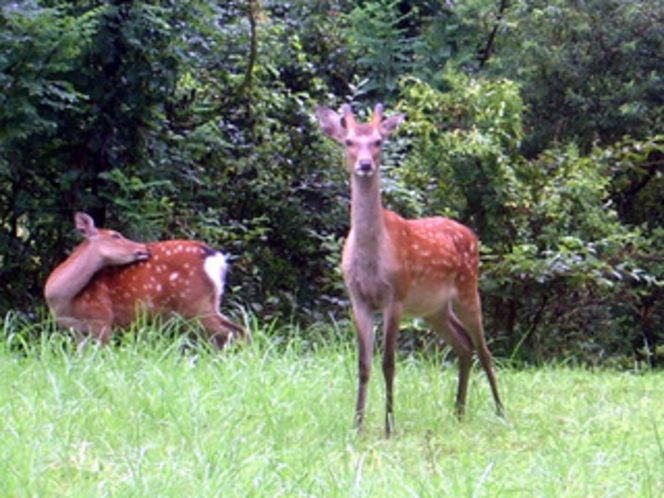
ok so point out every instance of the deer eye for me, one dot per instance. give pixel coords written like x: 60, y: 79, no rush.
x: 116, y: 236
x: 378, y: 143
x: 349, y: 142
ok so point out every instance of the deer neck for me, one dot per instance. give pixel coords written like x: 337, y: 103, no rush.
x: 71, y: 277
x: 366, y: 215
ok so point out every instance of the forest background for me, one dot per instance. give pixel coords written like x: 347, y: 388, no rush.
x: 539, y: 124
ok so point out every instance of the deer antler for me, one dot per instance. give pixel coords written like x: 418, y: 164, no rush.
x: 348, y: 117
x: 377, y: 115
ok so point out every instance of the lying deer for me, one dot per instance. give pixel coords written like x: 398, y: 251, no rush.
x: 424, y: 268
x: 109, y: 280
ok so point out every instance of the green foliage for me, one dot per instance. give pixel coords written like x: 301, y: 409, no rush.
x: 384, y: 49
x: 464, y: 149
x: 38, y: 47
x: 390, y: 39
x: 637, y: 182
x: 553, y: 239
x: 39, y: 50
x: 589, y: 70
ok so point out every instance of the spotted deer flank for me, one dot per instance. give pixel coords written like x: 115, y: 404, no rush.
x: 425, y: 268
x: 109, y: 280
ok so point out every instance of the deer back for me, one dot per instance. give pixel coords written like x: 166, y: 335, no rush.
x: 183, y: 277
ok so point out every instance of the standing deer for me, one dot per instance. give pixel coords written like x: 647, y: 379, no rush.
x: 424, y: 268
x: 108, y: 280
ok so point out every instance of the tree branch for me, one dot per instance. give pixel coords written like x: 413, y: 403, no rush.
x: 247, y: 83
x: 485, y: 54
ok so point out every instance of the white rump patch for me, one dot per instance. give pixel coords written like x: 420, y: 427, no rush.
x: 216, y: 267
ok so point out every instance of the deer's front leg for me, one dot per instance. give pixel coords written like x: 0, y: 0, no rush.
x: 391, y: 322
x: 365, y: 337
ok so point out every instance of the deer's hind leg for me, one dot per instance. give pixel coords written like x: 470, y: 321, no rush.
x: 445, y: 324
x: 468, y: 319
x: 220, y: 329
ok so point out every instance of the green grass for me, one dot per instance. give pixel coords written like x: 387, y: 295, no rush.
x: 142, y: 419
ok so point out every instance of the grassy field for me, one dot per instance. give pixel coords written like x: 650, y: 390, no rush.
x: 143, y: 419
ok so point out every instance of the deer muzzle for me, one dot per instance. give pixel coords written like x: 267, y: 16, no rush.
x: 364, y: 167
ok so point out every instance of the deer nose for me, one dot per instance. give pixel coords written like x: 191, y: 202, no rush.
x: 365, y: 166
x: 143, y: 253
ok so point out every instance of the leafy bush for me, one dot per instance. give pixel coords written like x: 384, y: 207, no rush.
x: 561, y: 272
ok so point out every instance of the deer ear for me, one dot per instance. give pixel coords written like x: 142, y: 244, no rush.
x: 390, y: 124
x: 331, y: 123
x: 85, y: 225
